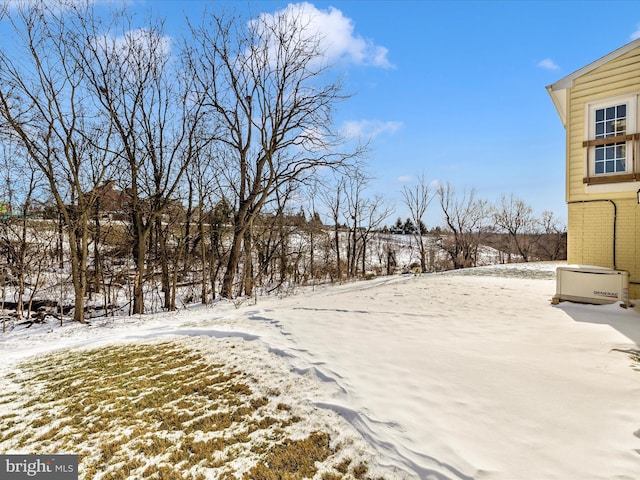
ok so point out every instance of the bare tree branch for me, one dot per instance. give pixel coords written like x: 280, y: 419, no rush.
x: 271, y: 106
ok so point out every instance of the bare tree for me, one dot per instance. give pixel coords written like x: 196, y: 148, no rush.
x: 272, y: 102
x: 201, y: 175
x: 354, y: 215
x: 332, y: 196
x: 273, y: 237
x: 464, y: 217
x: 220, y: 219
x: 374, y: 212
x: 21, y: 243
x: 515, y: 218
x: 45, y: 106
x: 417, y: 200
x: 314, y: 230
x: 154, y: 115
x: 364, y: 215
x: 552, y: 238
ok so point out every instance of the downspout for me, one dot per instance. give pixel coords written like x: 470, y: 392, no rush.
x: 615, y: 213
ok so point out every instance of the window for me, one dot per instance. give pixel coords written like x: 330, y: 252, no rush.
x: 610, y: 137
x: 611, y: 158
x: 611, y: 121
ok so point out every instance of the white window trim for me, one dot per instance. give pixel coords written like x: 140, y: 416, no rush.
x: 590, y: 132
x: 612, y: 187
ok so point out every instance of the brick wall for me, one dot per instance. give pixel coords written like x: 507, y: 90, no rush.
x: 591, y: 233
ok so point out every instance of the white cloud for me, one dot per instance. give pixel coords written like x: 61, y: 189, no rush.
x: 635, y: 35
x: 339, y: 40
x: 369, y: 128
x: 548, y: 64
x: 405, y: 179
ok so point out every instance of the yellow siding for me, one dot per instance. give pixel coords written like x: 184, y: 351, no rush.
x: 617, y: 77
x: 590, y: 225
x: 575, y: 137
x: 590, y: 239
x: 628, y: 229
x: 591, y: 235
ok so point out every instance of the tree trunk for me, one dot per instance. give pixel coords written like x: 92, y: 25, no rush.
x: 247, y: 270
x: 163, y: 256
x: 226, y: 290
x: 78, y: 243
x: 337, y: 243
x: 312, y: 272
x: 284, y: 260
x: 353, y: 262
x: 139, y: 247
x: 364, y: 255
x: 203, y: 258
x: 60, y: 242
x: 4, y: 317
x: 22, y: 272
x: 97, y: 260
x: 174, y: 288
x: 179, y: 257
x: 215, y: 258
x: 423, y: 254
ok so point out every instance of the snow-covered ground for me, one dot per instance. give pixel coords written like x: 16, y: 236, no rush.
x: 461, y: 375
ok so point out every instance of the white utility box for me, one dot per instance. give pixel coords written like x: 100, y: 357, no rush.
x: 591, y: 284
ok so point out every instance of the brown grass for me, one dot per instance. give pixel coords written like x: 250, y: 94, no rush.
x: 158, y: 410
x: 292, y: 459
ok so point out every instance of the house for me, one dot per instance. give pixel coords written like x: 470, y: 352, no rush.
x: 599, y: 106
x: 111, y: 202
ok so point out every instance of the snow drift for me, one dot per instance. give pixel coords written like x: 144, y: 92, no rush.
x: 462, y: 375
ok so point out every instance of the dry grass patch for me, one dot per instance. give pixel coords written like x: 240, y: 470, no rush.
x: 292, y: 459
x: 156, y: 410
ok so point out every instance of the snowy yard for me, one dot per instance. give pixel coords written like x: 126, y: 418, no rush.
x: 461, y: 375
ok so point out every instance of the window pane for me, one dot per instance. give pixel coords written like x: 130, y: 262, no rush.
x: 609, y: 153
x: 621, y: 126
x: 600, y: 115
x: 621, y: 151
x: 608, y: 167
x: 620, y: 165
x: 610, y: 129
x: 621, y: 111
x: 599, y: 153
x: 611, y: 113
x: 599, y: 130
x: 599, y: 168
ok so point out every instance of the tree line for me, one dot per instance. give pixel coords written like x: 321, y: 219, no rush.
x: 132, y: 163
x: 235, y: 111
x: 509, y: 226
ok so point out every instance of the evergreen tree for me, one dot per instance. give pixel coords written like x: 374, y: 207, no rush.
x: 398, y: 227
x: 408, y: 228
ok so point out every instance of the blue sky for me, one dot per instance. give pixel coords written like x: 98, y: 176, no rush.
x: 455, y: 90
x: 461, y: 97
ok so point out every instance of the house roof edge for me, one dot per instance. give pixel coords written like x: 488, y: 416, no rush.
x: 567, y: 82
x: 558, y: 90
